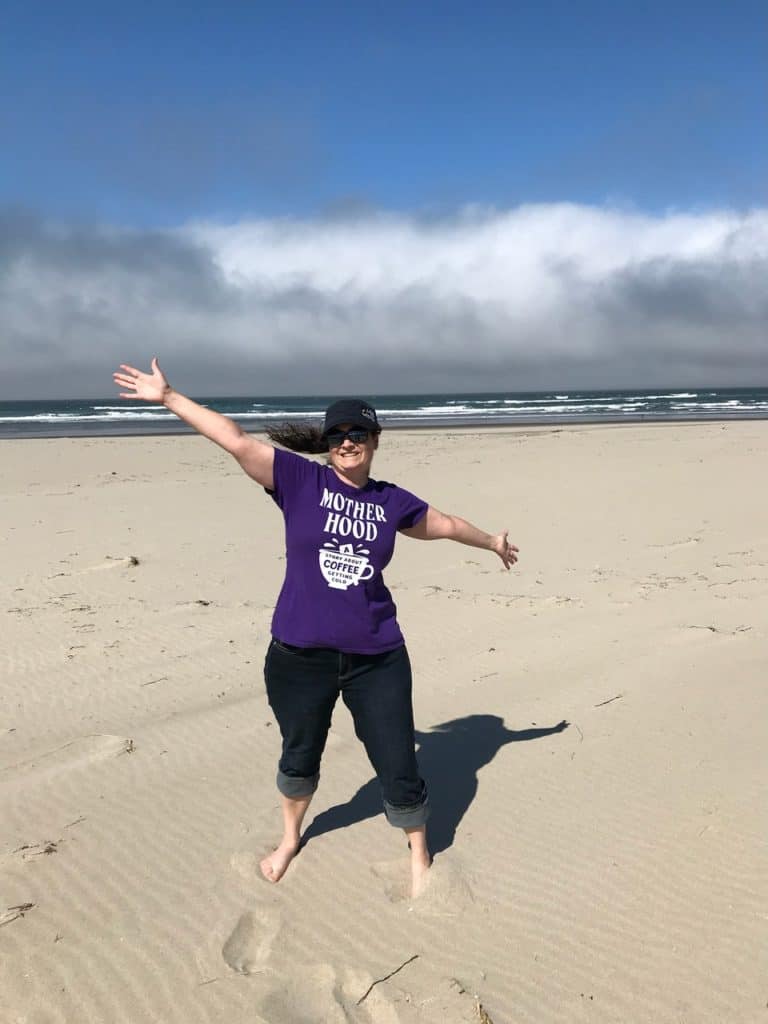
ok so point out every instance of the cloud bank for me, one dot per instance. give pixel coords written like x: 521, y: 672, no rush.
x: 555, y: 295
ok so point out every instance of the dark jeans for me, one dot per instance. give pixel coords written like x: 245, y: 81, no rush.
x: 303, y: 685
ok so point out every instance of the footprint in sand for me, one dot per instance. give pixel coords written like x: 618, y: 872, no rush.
x: 245, y: 863
x: 313, y: 993
x: 249, y: 947
x: 447, y: 892
x: 323, y: 993
x: 395, y: 874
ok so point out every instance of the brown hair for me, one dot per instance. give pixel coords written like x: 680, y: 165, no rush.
x: 306, y: 438
x: 299, y: 437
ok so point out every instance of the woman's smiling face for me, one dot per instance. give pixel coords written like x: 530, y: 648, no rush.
x: 352, y: 458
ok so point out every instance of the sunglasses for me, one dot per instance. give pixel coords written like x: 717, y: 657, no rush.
x: 356, y: 435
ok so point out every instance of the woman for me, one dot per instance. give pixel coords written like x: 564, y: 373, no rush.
x: 334, y: 628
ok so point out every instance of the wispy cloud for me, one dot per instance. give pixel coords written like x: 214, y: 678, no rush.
x: 550, y: 295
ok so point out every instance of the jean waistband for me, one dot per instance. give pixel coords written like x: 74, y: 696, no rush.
x: 325, y: 651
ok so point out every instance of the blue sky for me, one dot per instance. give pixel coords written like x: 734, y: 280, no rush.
x: 158, y: 113
x: 461, y: 195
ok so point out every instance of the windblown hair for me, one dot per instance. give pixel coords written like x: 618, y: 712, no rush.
x: 306, y: 438
x: 299, y: 437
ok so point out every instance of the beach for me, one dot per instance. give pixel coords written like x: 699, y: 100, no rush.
x: 591, y: 727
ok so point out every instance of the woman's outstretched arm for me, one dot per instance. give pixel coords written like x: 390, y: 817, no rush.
x: 255, y: 457
x: 439, y: 526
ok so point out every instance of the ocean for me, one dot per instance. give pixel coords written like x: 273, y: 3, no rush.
x: 113, y: 416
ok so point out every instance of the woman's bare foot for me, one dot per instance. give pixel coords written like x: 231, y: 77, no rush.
x: 419, y: 874
x: 420, y: 859
x: 274, y: 866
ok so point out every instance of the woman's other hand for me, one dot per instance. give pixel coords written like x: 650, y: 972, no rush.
x: 149, y: 387
x: 507, y: 552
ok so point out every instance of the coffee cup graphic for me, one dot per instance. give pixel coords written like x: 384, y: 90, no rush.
x: 343, y: 568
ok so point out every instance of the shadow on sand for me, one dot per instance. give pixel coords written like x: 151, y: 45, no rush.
x: 450, y: 756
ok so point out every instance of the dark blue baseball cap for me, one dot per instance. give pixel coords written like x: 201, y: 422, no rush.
x: 352, y: 411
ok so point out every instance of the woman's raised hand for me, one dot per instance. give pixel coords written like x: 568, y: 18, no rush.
x: 149, y: 387
x: 507, y: 552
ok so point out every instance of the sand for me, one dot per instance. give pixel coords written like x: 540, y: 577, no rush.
x: 613, y: 869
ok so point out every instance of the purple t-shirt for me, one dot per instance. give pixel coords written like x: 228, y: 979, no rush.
x: 338, y: 541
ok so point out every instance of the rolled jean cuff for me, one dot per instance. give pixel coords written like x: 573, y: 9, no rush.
x: 297, y: 786
x: 413, y: 816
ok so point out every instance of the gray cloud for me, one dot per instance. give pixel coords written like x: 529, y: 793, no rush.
x: 539, y: 296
